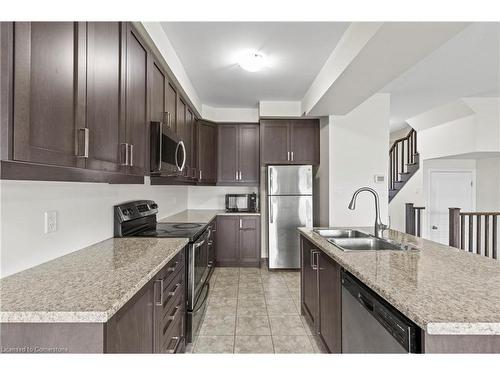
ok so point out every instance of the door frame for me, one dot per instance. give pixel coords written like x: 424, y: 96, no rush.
x: 430, y: 172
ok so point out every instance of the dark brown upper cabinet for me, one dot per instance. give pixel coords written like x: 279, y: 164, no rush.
x: 191, y: 172
x: 171, y: 107
x: 105, y: 95
x: 206, y: 139
x: 137, y: 130
x: 238, y: 156
x: 79, y: 99
x: 286, y: 141
x: 49, y: 92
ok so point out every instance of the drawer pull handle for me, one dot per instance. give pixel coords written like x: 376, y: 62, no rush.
x: 172, y: 318
x: 176, y: 340
x: 172, y: 269
x: 173, y: 292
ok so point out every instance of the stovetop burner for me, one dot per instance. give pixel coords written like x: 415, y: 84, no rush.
x: 174, y: 230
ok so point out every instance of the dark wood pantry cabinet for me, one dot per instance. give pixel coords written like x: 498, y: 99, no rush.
x: 289, y: 141
x: 238, y: 156
x: 238, y: 241
x: 321, y: 295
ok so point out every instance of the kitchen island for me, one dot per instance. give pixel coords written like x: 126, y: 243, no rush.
x: 452, y: 295
x: 97, y: 299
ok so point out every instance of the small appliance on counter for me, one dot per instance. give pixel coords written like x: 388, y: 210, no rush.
x: 241, y: 202
x: 138, y: 219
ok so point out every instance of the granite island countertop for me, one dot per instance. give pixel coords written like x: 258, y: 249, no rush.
x: 88, y: 285
x: 201, y: 216
x: 444, y: 290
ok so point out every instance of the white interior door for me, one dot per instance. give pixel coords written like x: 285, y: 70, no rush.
x: 448, y: 189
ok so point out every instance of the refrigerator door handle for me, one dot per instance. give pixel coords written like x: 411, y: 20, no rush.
x: 271, y: 211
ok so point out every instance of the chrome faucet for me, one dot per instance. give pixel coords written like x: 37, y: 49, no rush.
x: 379, y: 227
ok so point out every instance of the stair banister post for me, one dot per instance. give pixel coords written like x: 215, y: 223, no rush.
x: 454, y: 233
x: 409, y: 219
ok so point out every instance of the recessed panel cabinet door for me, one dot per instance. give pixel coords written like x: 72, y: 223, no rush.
x: 330, y: 324
x: 309, y: 281
x: 249, y: 241
x: 227, y: 241
x: 158, y: 91
x: 49, y: 76
x: 274, y: 141
x: 105, y: 94
x: 304, y: 142
x: 171, y: 107
x: 207, y: 152
x: 248, y: 153
x: 228, y: 153
x: 136, y: 104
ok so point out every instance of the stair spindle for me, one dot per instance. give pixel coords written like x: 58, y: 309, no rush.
x: 478, y: 234
x: 494, y: 237
x: 486, y: 234
x: 471, y: 218
x: 462, y: 232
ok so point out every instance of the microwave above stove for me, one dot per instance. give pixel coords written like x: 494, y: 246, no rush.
x: 167, y: 151
x: 241, y: 202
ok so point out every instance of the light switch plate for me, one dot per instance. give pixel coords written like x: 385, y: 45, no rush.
x: 50, y: 221
x: 379, y: 178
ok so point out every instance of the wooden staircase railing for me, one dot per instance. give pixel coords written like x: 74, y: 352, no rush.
x: 413, y: 219
x: 476, y: 230
x: 403, y: 162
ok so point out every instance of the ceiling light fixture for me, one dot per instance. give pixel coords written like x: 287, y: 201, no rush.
x: 252, y: 62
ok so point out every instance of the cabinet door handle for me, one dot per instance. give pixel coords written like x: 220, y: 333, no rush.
x: 291, y: 154
x: 241, y: 224
x: 236, y: 175
x: 240, y: 176
x: 200, y: 174
x: 160, y: 302
x: 125, y: 155
x: 314, y: 264
x: 131, y: 161
x: 288, y: 156
x: 85, y: 143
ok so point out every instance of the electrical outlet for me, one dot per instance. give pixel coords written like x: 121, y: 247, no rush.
x: 50, y: 221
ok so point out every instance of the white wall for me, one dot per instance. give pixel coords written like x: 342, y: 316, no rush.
x: 84, y: 216
x: 230, y: 114
x: 358, y: 151
x: 322, y: 177
x: 213, y: 197
x: 488, y: 184
x: 280, y: 108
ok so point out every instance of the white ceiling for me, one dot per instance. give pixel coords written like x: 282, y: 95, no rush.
x: 209, y: 52
x: 465, y: 66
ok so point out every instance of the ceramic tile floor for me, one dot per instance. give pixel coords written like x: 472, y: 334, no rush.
x: 252, y: 310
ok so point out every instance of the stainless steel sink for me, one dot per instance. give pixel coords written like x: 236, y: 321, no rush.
x: 341, y: 233
x: 364, y: 244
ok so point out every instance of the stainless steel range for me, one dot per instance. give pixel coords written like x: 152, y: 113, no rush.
x: 138, y: 219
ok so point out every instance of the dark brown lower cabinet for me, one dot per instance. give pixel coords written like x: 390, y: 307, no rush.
x: 238, y: 241
x: 330, y: 303
x: 321, y: 295
x: 212, y: 245
x: 152, y: 321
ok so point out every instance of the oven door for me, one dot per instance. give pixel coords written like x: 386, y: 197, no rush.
x: 198, y: 267
x: 168, y: 153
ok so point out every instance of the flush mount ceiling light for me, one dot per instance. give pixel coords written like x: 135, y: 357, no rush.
x: 252, y: 62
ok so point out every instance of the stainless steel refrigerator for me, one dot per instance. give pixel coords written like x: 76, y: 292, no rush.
x: 289, y: 206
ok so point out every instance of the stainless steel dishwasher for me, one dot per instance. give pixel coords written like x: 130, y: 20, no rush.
x: 371, y: 325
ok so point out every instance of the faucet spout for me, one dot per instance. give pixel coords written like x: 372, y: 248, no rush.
x: 379, y: 227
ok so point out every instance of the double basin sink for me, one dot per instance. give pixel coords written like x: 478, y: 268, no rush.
x: 354, y: 240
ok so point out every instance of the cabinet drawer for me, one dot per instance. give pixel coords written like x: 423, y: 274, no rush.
x: 172, y: 326
x: 173, y: 291
x: 169, y: 273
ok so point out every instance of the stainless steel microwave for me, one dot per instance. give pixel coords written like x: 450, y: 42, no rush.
x: 168, y: 153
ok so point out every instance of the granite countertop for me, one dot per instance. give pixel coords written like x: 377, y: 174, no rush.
x: 442, y: 289
x: 88, y: 285
x: 201, y: 216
